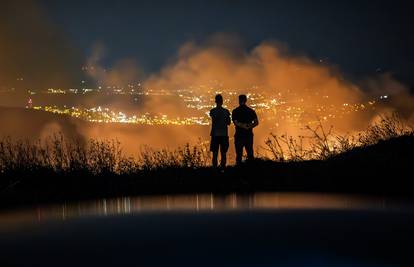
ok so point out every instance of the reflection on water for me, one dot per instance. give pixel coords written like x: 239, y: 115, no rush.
x: 194, y: 203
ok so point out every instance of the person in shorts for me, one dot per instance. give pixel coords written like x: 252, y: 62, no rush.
x: 220, y: 118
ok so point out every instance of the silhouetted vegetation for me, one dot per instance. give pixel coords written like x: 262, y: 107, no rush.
x: 321, y: 144
x: 59, y: 169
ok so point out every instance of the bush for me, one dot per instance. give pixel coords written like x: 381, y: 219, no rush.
x: 94, y: 157
x: 323, y: 144
x: 58, y: 155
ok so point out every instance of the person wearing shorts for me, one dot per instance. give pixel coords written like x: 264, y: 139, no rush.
x: 220, y: 118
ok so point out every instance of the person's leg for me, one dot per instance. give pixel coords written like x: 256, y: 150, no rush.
x: 215, y: 159
x: 224, y: 146
x: 214, y: 148
x: 244, y: 145
x: 238, y: 143
x: 249, y: 148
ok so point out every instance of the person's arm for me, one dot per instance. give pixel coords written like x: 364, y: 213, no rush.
x: 255, y: 121
x: 212, y: 114
x: 228, y: 119
x: 235, y: 118
x: 241, y: 125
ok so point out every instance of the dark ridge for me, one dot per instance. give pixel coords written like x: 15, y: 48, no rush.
x: 384, y: 168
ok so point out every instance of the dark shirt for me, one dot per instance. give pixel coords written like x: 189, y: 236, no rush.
x: 243, y: 114
x: 220, y: 121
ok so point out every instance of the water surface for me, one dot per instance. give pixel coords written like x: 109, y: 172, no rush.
x: 198, y: 203
x: 262, y: 229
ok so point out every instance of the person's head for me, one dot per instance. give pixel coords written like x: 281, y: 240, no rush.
x: 242, y: 99
x: 219, y: 100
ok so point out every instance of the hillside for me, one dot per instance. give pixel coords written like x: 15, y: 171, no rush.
x: 383, y: 168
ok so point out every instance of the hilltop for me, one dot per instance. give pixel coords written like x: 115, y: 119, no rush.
x: 381, y: 168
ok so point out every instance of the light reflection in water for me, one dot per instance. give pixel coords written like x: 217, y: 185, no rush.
x: 192, y: 203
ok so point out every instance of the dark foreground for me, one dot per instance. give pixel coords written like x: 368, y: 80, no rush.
x: 381, y: 169
x: 241, y: 238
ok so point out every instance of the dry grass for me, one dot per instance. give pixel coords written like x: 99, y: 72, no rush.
x: 59, y: 155
x: 95, y: 157
x: 322, y: 144
x: 385, y: 128
x: 184, y: 157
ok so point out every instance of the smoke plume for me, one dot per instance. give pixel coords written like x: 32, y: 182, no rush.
x: 35, y: 55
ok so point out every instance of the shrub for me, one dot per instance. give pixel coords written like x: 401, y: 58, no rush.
x: 323, y: 144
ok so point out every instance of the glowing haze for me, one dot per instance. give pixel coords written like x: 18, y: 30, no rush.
x: 33, y: 48
x: 220, y: 64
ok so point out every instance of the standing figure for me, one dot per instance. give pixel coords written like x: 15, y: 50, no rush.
x: 219, y: 133
x: 245, y: 119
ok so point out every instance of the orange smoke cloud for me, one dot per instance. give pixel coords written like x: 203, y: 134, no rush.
x: 34, y: 54
x: 266, y: 66
x: 222, y: 65
x: 219, y: 65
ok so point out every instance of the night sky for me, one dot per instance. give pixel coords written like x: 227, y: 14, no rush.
x: 362, y: 37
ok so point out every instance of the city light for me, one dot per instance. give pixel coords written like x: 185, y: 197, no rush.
x: 275, y: 107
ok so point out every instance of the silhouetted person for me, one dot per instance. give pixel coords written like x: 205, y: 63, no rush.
x: 219, y: 133
x: 245, y: 119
